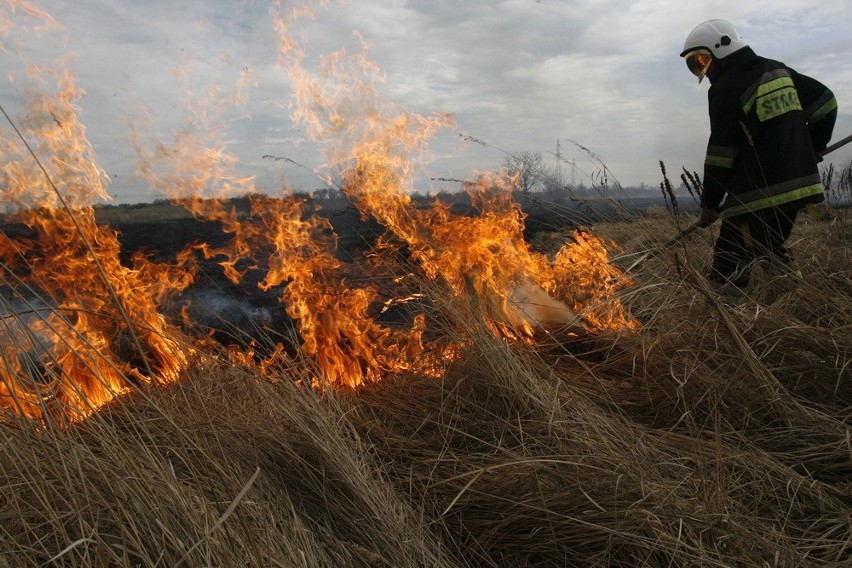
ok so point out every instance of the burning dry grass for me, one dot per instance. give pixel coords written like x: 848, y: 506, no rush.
x: 478, y: 432
x: 716, y: 435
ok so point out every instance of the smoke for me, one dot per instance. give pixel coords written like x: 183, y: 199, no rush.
x: 18, y: 317
x: 25, y: 350
x: 213, y: 308
x: 541, y: 310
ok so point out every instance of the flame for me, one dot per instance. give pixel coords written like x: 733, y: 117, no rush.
x: 100, y: 326
x: 373, y: 144
x: 100, y: 329
x: 583, y: 275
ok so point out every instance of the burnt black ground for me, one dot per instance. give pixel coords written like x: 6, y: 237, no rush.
x: 243, y: 312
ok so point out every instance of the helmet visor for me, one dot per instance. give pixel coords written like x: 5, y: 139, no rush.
x: 698, y: 62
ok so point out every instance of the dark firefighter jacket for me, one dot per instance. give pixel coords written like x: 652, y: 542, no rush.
x: 767, y: 125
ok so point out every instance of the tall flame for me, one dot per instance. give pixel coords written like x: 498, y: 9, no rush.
x: 373, y: 144
x: 99, y: 326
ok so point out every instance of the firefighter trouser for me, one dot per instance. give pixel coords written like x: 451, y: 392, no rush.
x: 752, y: 236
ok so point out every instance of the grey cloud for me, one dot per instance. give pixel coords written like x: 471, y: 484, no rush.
x: 517, y: 74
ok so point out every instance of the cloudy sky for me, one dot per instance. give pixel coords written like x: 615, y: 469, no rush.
x: 517, y: 75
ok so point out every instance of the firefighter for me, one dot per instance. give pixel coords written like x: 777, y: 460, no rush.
x: 768, y: 124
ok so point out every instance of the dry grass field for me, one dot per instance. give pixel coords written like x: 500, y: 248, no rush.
x: 713, y: 435
x: 435, y: 386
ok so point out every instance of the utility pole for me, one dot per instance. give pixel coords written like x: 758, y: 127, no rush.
x: 558, y: 162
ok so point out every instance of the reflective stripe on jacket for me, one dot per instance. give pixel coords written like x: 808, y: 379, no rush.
x: 767, y: 123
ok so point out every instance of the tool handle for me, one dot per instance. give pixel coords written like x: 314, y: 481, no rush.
x: 688, y: 231
x: 836, y: 145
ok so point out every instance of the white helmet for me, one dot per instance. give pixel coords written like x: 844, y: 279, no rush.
x: 717, y: 36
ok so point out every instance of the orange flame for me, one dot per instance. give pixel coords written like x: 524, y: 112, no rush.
x: 100, y: 328
x: 373, y: 144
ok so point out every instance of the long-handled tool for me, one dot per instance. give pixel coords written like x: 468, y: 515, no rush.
x: 697, y: 224
x: 691, y: 229
x: 836, y: 145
